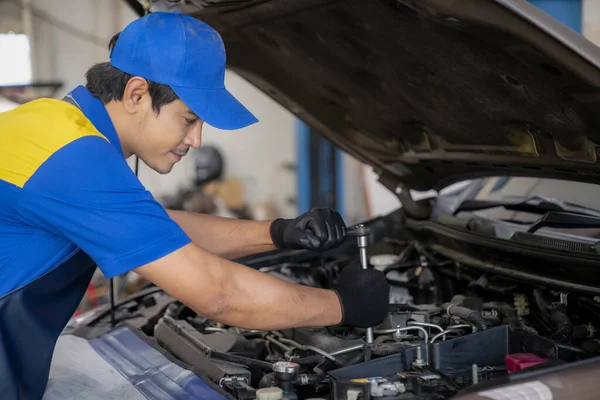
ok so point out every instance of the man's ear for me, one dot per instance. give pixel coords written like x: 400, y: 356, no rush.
x: 135, y: 94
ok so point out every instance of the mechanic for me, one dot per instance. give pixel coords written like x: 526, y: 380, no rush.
x: 69, y: 203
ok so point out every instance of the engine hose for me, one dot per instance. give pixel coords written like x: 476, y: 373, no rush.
x: 355, y: 360
x: 560, y: 320
x: 317, y: 359
x: 541, y: 301
x: 382, y: 349
x: 387, y: 349
x: 556, y: 314
x: 309, y: 360
x: 471, y: 316
x: 477, y: 319
x: 249, y: 362
x: 384, y: 338
x: 573, y: 349
x: 457, y: 274
x: 408, y: 285
x: 367, y: 352
x: 484, y: 283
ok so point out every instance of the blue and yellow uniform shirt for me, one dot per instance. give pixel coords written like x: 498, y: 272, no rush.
x: 65, y: 186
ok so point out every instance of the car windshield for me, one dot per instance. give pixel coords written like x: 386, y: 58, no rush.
x: 503, y: 188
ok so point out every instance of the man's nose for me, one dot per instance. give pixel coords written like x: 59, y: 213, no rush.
x: 194, y: 137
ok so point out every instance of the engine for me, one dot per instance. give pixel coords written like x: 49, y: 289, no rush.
x: 448, y: 332
x: 301, y: 362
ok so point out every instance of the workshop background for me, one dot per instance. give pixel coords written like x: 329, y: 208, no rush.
x: 277, y: 167
x: 273, y: 168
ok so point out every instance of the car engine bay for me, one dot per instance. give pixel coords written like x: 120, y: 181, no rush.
x: 450, y: 330
x: 527, y: 305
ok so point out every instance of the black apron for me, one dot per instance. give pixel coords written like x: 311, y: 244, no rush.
x: 31, y: 320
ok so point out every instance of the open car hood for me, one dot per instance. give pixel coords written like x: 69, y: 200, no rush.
x: 428, y: 92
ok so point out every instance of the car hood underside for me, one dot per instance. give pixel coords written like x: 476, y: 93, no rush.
x: 428, y: 92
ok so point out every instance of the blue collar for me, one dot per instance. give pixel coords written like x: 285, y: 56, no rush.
x: 95, y: 111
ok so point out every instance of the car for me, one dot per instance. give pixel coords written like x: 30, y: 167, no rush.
x: 490, y: 106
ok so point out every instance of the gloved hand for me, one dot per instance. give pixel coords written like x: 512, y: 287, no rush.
x: 364, y: 296
x: 318, y: 229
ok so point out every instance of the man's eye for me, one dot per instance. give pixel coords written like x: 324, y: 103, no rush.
x: 190, y: 121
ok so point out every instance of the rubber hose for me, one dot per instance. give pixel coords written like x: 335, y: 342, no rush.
x: 477, y: 319
x: 508, y: 313
x: 384, y: 338
x: 387, y: 349
x: 459, y: 275
x: 310, y: 360
x: 355, y: 360
x: 249, y: 362
x: 494, y: 287
x: 541, y: 301
x: 484, y: 283
x: 408, y: 285
x: 573, y: 349
x: 562, y: 324
x: 367, y: 352
x: 556, y: 314
x: 473, y: 317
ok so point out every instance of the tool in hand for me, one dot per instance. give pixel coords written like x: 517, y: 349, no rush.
x: 362, y: 232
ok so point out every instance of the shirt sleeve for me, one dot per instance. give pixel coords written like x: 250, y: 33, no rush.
x: 88, y: 194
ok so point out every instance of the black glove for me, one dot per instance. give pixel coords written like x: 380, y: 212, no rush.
x: 319, y: 229
x: 364, y: 295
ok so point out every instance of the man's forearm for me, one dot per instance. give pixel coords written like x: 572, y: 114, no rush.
x: 227, y: 237
x: 235, y: 295
x: 267, y: 302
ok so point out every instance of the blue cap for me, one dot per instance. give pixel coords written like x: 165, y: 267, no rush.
x: 187, y: 55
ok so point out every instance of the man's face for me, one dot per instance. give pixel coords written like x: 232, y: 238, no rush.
x: 163, y: 139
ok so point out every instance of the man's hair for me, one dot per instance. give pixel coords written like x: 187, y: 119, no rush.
x: 107, y: 83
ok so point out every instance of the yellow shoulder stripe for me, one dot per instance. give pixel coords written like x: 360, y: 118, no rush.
x: 31, y: 133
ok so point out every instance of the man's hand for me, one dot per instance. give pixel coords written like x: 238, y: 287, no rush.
x: 364, y: 296
x: 319, y: 229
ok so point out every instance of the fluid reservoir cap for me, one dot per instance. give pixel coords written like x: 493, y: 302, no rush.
x: 273, y: 393
x: 381, y: 261
x: 285, y: 367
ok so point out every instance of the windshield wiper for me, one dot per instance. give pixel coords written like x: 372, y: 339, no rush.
x: 565, y: 220
x: 535, y: 205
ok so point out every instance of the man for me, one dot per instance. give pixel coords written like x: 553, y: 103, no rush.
x: 69, y: 202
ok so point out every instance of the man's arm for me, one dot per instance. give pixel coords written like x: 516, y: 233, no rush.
x: 318, y: 229
x: 226, y: 237
x: 236, y: 295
